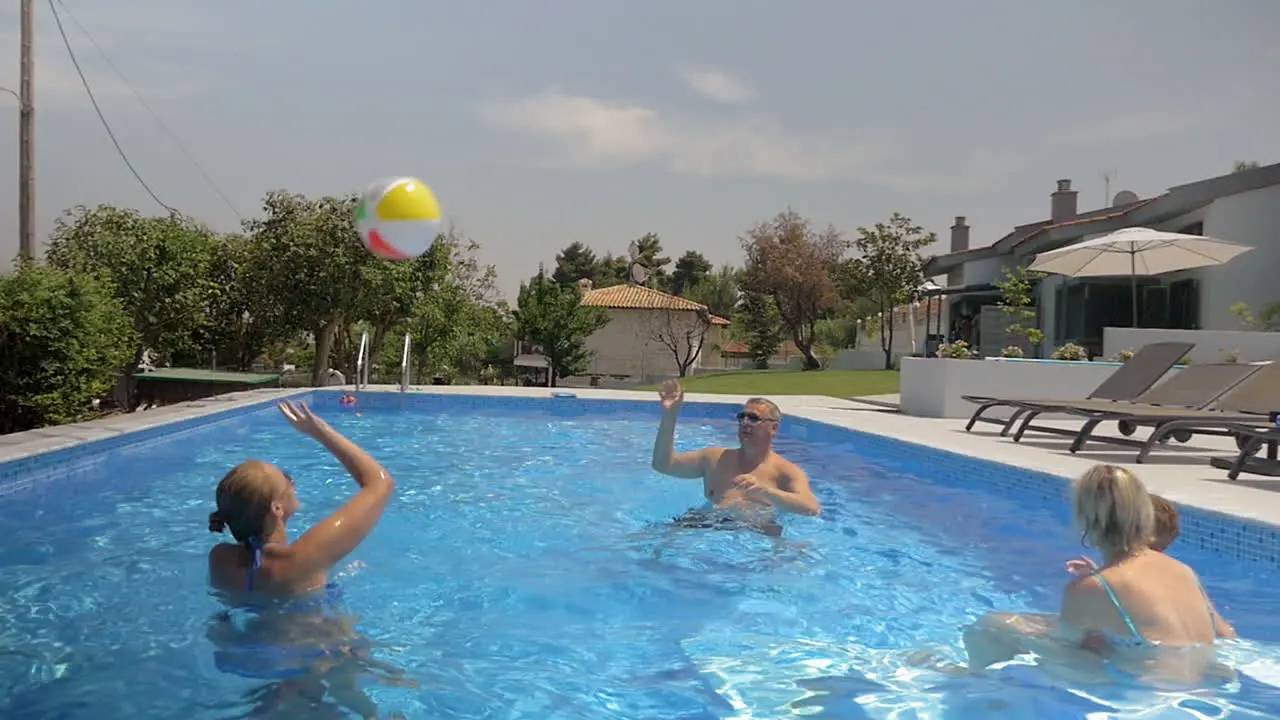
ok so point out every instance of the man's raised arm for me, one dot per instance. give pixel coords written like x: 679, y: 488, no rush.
x: 665, y: 459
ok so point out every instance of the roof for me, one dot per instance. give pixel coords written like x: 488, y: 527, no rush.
x: 639, y: 297
x: 1178, y: 200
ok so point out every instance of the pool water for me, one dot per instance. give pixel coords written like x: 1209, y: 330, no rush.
x: 527, y: 569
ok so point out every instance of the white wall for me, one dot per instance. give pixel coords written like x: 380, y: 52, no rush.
x: 1211, y: 345
x: 628, y: 345
x: 986, y: 270
x: 1251, y: 218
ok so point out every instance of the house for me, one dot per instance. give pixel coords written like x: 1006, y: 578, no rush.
x: 1241, y: 206
x: 650, y: 334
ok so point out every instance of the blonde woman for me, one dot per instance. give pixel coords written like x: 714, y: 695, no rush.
x: 1139, y: 599
x: 1139, y: 596
x: 294, y: 634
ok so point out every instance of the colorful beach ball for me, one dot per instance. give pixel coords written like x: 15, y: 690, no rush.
x: 398, y: 219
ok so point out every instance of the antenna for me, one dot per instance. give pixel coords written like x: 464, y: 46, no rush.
x: 1107, y: 176
x: 639, y: 273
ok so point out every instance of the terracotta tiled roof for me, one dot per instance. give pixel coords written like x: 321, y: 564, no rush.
x: 638, y: 297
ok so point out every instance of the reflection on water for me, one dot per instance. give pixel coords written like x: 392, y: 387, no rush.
x: 308, y: 651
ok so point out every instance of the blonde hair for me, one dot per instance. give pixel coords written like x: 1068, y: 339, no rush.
x: 244, y: 499
x: 1113, y: 510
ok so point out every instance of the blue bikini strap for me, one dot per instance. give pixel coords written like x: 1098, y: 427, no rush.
x: 255, y: 547
x: 1124, y: 614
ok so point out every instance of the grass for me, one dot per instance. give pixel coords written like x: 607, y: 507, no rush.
x: 836, y: 383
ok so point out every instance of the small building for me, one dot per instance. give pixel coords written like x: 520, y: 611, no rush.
x: 650, y: 334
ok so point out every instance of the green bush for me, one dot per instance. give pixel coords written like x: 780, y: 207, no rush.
x: 64, y: 340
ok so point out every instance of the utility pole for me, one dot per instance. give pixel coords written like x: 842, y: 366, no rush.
x: 26, y: 140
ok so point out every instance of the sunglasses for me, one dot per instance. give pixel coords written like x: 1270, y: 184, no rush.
x: 753, y: 418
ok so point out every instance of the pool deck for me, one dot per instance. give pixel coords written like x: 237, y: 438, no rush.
x: 1179, y: 472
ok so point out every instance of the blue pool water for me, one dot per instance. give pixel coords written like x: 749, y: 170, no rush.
x: 524, y: 571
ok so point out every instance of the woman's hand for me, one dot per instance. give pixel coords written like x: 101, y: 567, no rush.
x: 300, y: 417
x: 1081, y: 567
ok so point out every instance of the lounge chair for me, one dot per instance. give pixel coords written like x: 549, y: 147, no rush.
x: 1250, y: 439
x: 1130, y: 380
x: 1194, y: 387
x: 1254, y: 402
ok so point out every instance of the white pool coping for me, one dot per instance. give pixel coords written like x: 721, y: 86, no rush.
x: 1178, y: 472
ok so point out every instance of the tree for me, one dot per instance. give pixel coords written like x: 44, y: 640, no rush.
x: 761, y: 327
x: 1015, y: 302
x: 318, y: 263
x: 158, y: 268
x: 244, y: 315
x: 793, y: 263
x: 1245, y: 165
x: 575, y: 262
x: 457, y: 324
x: 553, y: 318
x: 64, y: 337
x: 888, y: 270
x: 718, y: 291
x: 682, y: 332
x: 612, y: 271
x: 691, y: 269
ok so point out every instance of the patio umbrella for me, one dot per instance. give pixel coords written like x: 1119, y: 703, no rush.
x: 1137, y: 252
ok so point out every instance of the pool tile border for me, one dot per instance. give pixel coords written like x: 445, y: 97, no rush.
x: 50, y: 454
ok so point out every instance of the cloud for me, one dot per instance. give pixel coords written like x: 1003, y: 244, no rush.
x: 1157, y: 119
x: 594, y: 133
x: 717, y: 86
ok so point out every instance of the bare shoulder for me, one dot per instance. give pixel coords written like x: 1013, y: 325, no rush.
x: 225, y: 560
x: 713, y: 454
x: 785, y: 467
x: 222, y: 553
x: 1083, y: 587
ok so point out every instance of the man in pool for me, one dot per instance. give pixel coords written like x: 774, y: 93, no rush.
x: 745, y: 485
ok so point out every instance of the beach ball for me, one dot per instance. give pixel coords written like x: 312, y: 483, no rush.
x: 399, y: 218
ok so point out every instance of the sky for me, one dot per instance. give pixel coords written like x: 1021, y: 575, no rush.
x: 543, y: 123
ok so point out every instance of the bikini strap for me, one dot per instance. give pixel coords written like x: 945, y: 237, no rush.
x: 1115, y: 600
x: 255, y: 548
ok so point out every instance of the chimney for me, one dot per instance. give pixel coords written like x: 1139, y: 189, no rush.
x: 1064, y: 203
x: 584, y: 285
x: 960, y: 235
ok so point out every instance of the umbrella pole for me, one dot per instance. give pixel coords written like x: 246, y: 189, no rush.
x: 1133, y: 287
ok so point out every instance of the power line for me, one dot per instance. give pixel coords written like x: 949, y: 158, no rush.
x: 107, y: 126
x: 156, y: 116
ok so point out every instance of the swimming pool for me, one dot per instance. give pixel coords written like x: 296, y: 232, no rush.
x: 524, y: 571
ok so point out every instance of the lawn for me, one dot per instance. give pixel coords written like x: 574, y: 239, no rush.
x: 836, y: 383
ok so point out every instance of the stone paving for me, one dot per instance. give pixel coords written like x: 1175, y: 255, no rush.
x: 1177, y: 471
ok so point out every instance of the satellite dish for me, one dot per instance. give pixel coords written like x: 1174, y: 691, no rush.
x: 1125, y: 197
x: 639, y: 273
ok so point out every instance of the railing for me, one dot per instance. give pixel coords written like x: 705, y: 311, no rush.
x: 362, y: 362
x: 405, y: 365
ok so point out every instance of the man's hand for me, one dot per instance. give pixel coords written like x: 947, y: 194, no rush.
x: 1081, y: 567
x: 753, y: 489
x: 671, y: 395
